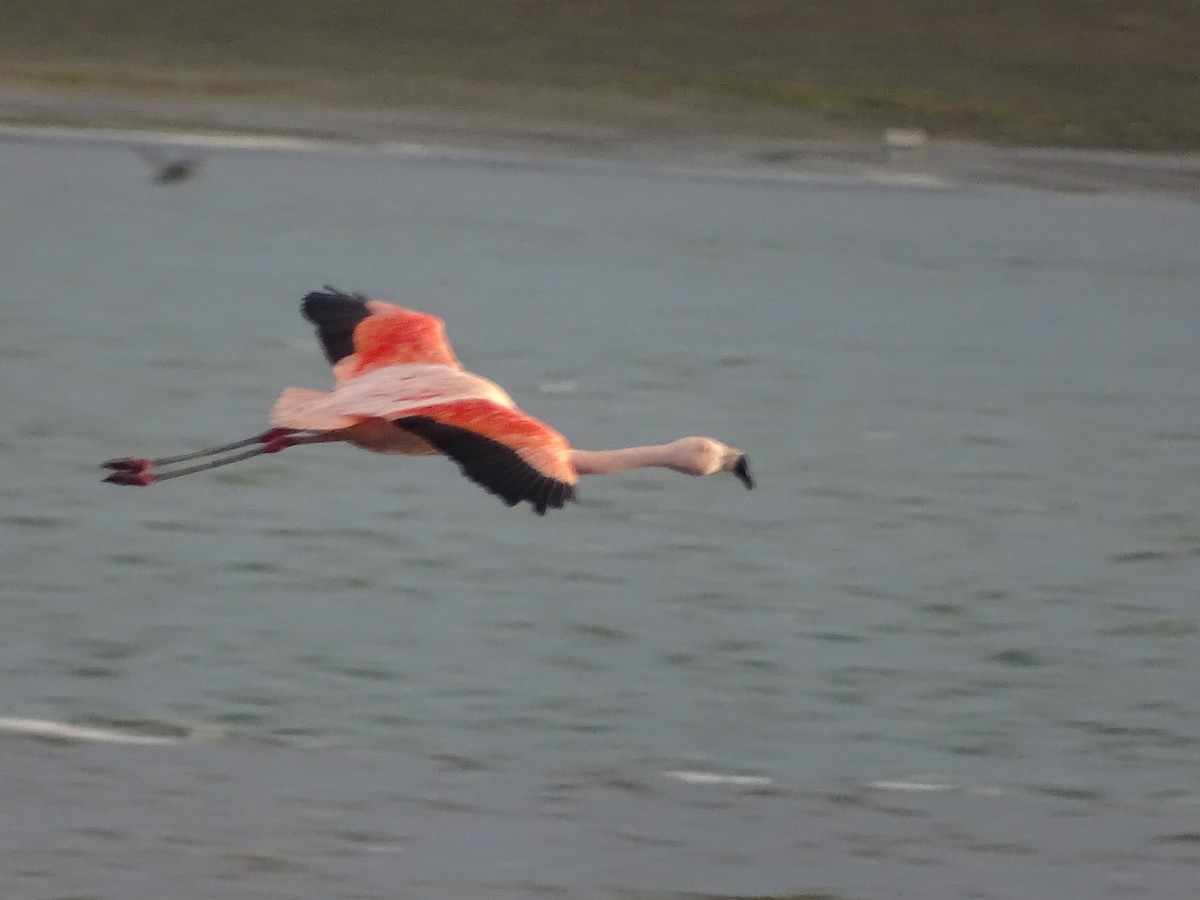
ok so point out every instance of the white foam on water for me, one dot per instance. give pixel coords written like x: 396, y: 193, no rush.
x: 696, y: 776
x: 932, y: 785
x: 899, y: 784
x: 64, y: 731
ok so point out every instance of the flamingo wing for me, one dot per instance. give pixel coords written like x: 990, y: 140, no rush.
x: 503, y: 450
x: 359, y: 335
x: 386, y: 393
x: 461, y: 415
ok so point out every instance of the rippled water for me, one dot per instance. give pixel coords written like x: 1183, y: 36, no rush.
x: 948, y: 649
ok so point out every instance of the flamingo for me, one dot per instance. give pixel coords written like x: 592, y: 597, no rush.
x: 399, y: 388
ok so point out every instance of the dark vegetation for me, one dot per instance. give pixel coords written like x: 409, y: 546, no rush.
x: 1071, y: 72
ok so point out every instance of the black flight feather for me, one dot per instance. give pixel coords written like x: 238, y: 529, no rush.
x: 492, y: 465
x: 336, y: 314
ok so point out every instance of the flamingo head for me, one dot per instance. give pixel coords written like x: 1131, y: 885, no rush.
x: 706, y: 456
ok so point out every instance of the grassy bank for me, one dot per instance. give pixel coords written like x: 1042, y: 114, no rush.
x: 1062, y: 72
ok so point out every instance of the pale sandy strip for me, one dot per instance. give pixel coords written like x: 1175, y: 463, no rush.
x: 199, y: 140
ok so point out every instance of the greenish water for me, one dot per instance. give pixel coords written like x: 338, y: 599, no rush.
x: 948, y: 649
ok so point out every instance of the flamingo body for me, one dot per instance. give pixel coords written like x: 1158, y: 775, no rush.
x: 399, y: 389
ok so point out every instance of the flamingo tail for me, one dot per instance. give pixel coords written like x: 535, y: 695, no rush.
x: 307, y: 410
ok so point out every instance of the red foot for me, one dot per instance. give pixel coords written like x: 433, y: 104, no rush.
x: 131, y: 478
x: 127, y: 464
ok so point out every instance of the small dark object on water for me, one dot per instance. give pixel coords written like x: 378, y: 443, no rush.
x: 169, y: 170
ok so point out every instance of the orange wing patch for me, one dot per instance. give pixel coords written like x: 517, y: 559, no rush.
x: 535, y: 442
x: 392, y: 335
x: 358, y: 334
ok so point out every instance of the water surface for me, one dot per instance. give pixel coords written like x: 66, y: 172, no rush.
x: 948, y: 649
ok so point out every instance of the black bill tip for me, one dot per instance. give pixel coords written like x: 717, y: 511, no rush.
x: 742, y: 470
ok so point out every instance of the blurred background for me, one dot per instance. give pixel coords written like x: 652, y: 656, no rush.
x: 1095, y: 73
x: 899, y: 254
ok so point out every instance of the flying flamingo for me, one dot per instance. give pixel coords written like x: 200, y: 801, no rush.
x: 400, y: 389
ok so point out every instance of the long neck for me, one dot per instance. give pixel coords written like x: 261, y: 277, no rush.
x: 601, y: 462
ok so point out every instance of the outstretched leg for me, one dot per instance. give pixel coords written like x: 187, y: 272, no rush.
x: 139, y: 471
x: 136, y: 464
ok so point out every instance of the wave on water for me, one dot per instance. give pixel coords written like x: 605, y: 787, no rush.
x: 930, y: 785
x: 923, y: 785
x: 48, y: 729
x: 696, y: 776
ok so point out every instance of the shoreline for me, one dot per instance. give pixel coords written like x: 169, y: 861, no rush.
x: 903, y: 159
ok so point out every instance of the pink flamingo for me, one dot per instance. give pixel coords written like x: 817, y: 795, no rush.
x: 400, y: 389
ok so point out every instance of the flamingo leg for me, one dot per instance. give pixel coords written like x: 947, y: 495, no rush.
x: 137, y: 471
x: 138, y: 464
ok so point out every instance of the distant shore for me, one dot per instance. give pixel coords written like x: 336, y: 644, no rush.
x: 906, y: 157
x: 1106, y: 74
